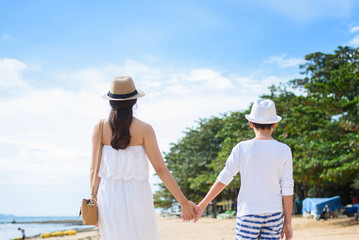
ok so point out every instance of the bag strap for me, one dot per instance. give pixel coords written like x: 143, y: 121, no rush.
x: 97, y: 159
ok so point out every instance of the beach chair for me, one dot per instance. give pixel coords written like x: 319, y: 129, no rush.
x: 226, y: 214
x: 352, y: 211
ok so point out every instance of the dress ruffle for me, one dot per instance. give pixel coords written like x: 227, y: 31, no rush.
x: 131, y: 163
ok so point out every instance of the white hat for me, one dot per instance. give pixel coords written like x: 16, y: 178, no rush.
x: 263, y: 112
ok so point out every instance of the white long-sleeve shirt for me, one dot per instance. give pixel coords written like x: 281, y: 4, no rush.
x: 266, y: 173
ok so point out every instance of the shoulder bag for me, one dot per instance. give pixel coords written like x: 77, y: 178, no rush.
x: 89, y: 206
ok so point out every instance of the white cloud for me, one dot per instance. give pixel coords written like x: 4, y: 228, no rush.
x: 11, y: 71
x: 256, y: 85
x: 211, y: 78
x: 197, y: 81
x: 148, y: 75
x: 354, y: 42
x: 284, y: 62
x: 354, y: 29
x: 178, y: 89
x: 49, y: 127
x: 45, y: 146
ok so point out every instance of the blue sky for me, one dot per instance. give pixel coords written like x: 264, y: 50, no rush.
x: 194, y: 59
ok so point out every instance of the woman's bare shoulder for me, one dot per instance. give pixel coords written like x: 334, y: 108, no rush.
x: 97, y: 125
x: 141, y: 125
x: 96, y: 130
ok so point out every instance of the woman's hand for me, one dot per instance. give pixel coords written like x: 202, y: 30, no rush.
x: 189, y: 211
x: 93, y: 198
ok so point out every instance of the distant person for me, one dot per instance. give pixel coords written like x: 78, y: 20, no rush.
x: 265, y: 167
x: 354, y: 200
x: 125, y: 203
x: 22, y: 232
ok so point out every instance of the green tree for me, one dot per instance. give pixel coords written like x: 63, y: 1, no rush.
x: 331, y: 84
x: 333, y: 81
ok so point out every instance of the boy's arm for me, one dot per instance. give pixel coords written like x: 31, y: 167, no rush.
x: 287, y: 184
x: 216, y: 189
x: 223, y: 179
x: 287, y: 225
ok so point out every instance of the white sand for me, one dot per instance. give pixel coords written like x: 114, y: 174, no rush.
x: 215, y: 229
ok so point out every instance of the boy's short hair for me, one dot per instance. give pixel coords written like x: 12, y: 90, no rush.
x: 262, y: 126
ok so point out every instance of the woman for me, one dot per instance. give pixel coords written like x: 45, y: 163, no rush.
x: 125, y: 201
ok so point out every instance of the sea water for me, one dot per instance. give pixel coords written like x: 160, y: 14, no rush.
x: 9, y: 230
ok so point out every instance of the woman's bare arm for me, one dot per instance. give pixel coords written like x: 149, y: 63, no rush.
x: 95, y: 142
x: 189, y: 209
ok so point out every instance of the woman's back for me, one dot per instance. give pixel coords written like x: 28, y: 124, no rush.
x: 125, y: 204
x: 137, y: 132
x: 126, y: 210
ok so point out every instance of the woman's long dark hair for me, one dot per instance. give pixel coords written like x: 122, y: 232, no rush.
x: 120, y: 121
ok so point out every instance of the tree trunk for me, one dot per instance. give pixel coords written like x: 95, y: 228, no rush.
x: 215, y: 208
x: 305, y: 190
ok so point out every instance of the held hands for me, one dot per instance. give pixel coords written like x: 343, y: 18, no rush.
x: 189, y: 211
x: 199, y: 213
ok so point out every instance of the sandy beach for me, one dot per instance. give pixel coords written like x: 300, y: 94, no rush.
x: 215, y: 229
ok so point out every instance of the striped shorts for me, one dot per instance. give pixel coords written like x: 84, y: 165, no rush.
x: 260, y: 226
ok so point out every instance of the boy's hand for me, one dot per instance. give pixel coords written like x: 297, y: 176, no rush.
x: 287, y: 231
x: 199, y: 212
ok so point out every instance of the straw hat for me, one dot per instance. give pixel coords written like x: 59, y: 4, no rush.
x: 263, y: 112
x: 123, y: 88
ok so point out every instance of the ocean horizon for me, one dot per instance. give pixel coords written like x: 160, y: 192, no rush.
x: 33, y: 225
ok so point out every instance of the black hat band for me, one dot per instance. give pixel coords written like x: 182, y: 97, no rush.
x: 122, y: 96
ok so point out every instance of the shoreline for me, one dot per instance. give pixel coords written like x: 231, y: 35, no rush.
x: 87, y: 233
x: 70, y: 222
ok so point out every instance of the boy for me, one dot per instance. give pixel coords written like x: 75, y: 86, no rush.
x: 265, y: 166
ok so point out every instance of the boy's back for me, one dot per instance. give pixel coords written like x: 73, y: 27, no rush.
x: 265, y: 168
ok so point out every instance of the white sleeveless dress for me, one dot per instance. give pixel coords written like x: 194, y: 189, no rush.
x: 125, y: 202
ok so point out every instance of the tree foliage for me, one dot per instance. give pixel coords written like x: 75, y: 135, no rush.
x: 320, y: 125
